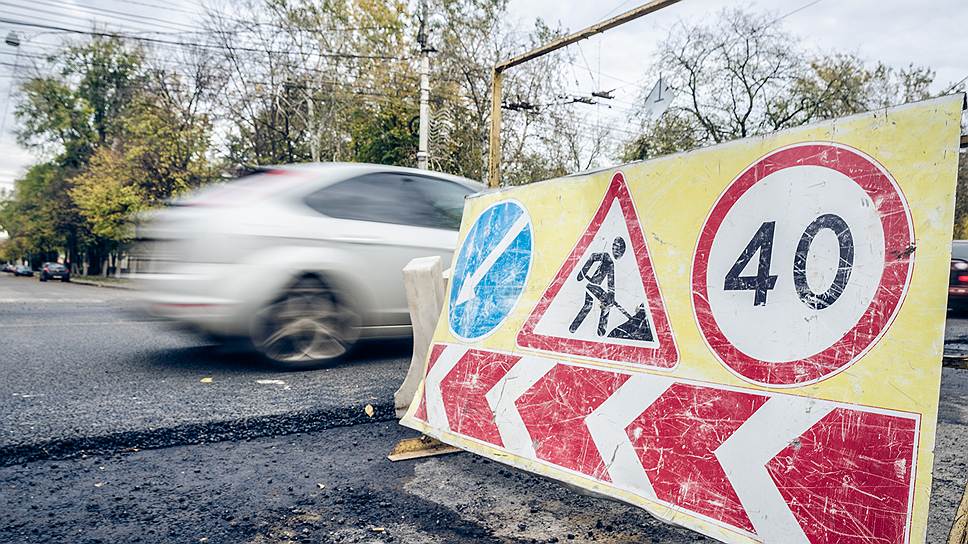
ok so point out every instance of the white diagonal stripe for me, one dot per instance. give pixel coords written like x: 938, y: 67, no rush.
x: 436, y: 413
x: 607, y: 426
x: 467, y: 290
x: 744, y: 456
x: 506, y: 392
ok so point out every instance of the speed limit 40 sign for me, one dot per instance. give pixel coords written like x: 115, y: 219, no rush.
x: 802, y: 263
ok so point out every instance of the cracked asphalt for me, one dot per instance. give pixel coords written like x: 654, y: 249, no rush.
x: 109, y: 434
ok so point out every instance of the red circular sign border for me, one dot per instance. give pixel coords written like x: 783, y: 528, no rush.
x: 898, y: 236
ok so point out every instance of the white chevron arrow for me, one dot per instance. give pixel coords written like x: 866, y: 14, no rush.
x: 436, y: 413
x: 506, y: 392
x: 744, y: 456
x: 607, y: 427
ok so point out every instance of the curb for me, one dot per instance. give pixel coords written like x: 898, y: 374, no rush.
x: 99, y: 284
x: 194, y: 434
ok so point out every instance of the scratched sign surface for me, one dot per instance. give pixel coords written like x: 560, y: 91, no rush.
x: 744, y: 340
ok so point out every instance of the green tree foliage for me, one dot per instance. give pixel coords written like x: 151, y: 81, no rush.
x: 78, y: 106
x: 155, y: 158
x: 36, y: 218
x: 339, y: 81
x: 165, y: 153
x: 741, y: 75
x: 106, y: 197
x: 383, y: 134
x: 327, y: 66
x: 669, y: 134
x: 471, y: 36
x: 121, y: 138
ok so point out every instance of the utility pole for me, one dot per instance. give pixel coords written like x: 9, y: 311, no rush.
x: 494, y: 153
x: 423, y: 155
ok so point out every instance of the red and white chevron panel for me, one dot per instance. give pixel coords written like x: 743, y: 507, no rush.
x: 774, y: 467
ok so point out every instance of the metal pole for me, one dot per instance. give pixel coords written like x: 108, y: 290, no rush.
x: 423, y: 155
x: 494, y: 146
x: 494, y: 154
x: 597, y: 28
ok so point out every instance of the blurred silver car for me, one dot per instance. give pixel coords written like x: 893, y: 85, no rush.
x: 301, y: 261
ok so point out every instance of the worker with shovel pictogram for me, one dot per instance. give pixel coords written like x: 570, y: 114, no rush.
x: 601, y: 287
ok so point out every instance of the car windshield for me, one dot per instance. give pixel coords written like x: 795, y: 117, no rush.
x: 959, y: 250
x: 56, y: 267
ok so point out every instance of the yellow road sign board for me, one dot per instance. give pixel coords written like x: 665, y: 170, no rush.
x: 745, y: 339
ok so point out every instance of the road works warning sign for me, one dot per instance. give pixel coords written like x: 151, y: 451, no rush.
x: 745, y: 340
x: 621, y: 321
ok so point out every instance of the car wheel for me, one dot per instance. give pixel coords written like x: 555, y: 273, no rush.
x: 309, y: 325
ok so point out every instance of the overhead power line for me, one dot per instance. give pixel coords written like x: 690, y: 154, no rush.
x: 51, y: 17
x: 128, y: 36
x: 789, y: 13
x: 125, y: 16
x: 955, y: 86
x: 178, y: 28
x: 288, y: 68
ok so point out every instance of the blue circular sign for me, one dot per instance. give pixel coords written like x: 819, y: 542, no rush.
x: 491, y: 270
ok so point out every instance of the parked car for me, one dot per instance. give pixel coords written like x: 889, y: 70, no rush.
x: 958, y: 279
x: 22, y: 270
x: 49, y: 271
x: 300, y: 261
x: 8, y: 268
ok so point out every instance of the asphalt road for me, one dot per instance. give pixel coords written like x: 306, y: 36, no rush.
x: 264, y: 456
x: 328, y: 486
x: 337, y: 486
x: 82, y: 372
x: 956, y: 334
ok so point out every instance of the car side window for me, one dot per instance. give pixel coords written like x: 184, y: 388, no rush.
x: 393, y: 198
x: 373, y: 197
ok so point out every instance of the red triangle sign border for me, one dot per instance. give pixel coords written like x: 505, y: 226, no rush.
x: 666, y: 355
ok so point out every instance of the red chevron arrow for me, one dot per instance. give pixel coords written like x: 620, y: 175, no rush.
x: 675, y: 439
x: 554, y: 412
x: 463, y: 390
x: 855, y: 468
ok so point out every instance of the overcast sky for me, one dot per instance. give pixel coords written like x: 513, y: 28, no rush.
x: 932, y: 33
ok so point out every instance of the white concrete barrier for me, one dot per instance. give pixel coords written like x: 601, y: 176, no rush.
x: 425, y: 284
